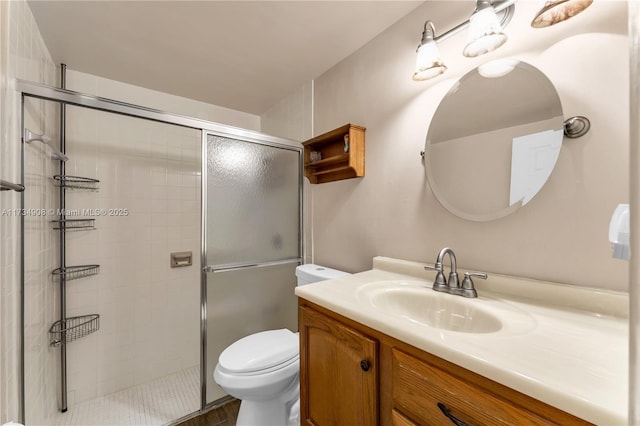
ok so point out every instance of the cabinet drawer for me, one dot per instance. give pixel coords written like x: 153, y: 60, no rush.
x: 418, y: 387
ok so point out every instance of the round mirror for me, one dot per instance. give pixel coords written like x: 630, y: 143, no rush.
x: 494, y: 140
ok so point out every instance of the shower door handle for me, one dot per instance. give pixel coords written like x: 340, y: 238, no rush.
x: 235, y: 267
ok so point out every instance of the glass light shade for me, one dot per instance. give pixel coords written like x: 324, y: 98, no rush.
x: 485, y: 33
x: 557, y: 11
x: 428, y: 63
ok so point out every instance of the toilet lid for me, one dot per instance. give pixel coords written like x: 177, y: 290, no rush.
x: 260, y: 351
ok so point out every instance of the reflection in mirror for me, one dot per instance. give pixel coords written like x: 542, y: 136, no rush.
x: 494, y: 140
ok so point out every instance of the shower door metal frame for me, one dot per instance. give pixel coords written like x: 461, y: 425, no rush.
x: 70, y: 97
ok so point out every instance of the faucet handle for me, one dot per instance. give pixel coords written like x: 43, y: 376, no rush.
x: 437, y: 267
x: 467, y: 288
x: 440, y: 283
x: 481, y: 275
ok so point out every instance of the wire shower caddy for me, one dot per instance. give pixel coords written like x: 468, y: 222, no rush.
x: 73, y: 328
x: 68, y: 329
x: 76, y: 182
x: 74, y: 272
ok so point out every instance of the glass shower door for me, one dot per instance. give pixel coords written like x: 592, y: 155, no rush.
x: 252, y: 228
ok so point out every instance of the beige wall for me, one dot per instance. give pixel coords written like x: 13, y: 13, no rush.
x: 292, y: 117
x: 561, y: 235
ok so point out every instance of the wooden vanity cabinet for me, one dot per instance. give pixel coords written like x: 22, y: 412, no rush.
x: 404, y: 385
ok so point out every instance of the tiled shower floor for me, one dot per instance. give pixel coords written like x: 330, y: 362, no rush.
x: 156, y: 403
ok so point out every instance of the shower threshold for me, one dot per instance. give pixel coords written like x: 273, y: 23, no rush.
x: 156, y: 403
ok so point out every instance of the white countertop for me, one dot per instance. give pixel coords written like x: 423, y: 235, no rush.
x: 566, y: 346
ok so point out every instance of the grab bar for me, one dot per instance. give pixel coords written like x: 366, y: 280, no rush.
x: 29, y: 137
x: 8, y: 186
x: 225, y: 268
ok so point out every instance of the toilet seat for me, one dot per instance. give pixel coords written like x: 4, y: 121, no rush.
x: 260, y: 353
x: 283, y: 365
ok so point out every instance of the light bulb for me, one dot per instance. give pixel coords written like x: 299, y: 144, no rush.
x: 428, y: 63
x: 485, y: 33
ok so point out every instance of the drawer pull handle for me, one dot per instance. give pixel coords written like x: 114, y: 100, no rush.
x: 364, y: 364
x: 451, y: 417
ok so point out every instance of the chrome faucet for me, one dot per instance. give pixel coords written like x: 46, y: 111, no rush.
x: 453, y: 286
x: 441, y: 284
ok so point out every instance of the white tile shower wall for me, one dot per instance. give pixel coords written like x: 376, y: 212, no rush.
x: 147, y: 206
x: 24, y: 55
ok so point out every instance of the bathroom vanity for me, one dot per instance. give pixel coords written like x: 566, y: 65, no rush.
x: 380, y: 347
x: 348, y: 370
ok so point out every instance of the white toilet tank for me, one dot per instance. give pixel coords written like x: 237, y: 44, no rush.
x: 311, y: 273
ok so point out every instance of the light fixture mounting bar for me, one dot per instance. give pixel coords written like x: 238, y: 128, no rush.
x: 498, y: 6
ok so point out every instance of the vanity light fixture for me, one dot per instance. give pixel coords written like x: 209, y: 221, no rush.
x: 557, y: 11
x: 428, y: 62
x: 486, y: 24
x: 485, y: 31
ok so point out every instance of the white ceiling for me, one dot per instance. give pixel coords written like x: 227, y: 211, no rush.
x: 244, y: 55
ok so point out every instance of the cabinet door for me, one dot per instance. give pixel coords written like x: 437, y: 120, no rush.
x: 338, y: 373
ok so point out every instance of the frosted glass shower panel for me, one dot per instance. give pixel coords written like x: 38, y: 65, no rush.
x: 243, y: 302
x: 253, y: 200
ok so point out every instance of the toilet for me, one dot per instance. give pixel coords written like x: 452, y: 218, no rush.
x: 262, y: 369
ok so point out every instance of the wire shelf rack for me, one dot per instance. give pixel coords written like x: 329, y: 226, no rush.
x: 74, y: 224
x: 74, y: 272
x: 73, y: 328
x: 76, y: 182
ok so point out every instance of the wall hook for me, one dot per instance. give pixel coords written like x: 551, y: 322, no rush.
x: 576, y: 127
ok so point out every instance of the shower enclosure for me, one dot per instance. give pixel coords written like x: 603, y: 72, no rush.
x: 143, y: 185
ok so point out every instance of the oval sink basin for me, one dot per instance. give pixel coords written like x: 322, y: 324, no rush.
x: 422, y: 305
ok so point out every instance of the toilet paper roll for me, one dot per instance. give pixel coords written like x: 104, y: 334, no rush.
x: 12, y: 424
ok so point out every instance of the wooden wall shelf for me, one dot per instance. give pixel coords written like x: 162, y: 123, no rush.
x: 338, y: 160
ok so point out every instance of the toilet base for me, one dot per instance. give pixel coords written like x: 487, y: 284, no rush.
x: 282, y: 411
